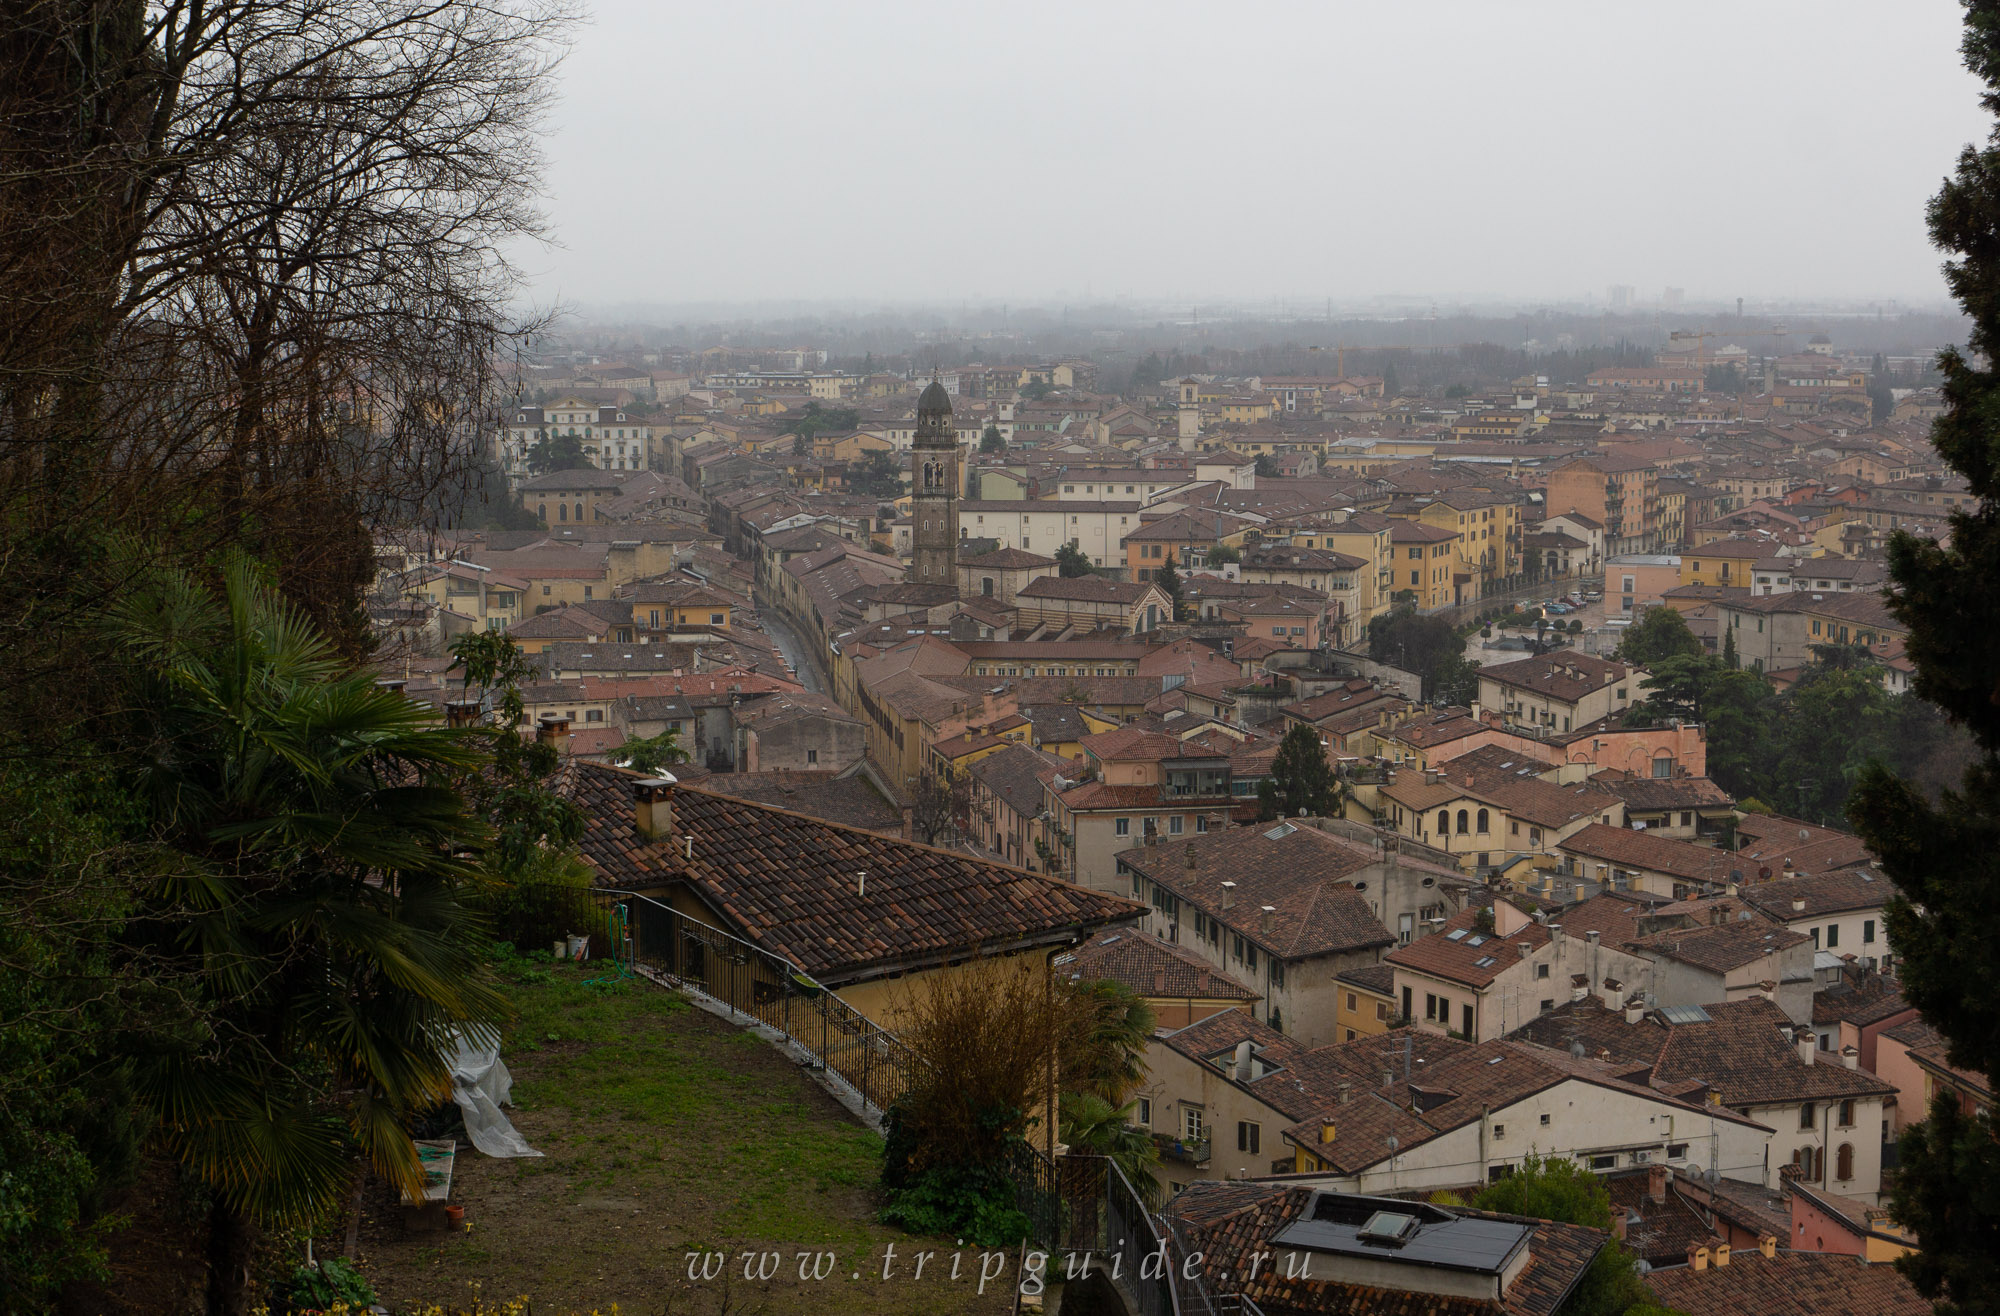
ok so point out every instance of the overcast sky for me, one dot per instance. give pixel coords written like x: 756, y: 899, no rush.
x: 1771, y: 149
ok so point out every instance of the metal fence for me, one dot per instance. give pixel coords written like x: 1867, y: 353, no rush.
x: 1086, y: 1204
x: 1075, y: 1203
x: 769, y: 989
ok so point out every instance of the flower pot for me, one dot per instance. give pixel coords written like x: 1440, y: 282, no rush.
x: 455, y: 1215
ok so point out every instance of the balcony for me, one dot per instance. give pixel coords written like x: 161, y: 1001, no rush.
x: 1187, y: 1151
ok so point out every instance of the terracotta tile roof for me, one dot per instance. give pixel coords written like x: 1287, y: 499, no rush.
x: 1649, y: 794
x: 788, y: 882
x: 849, y: 801
x: 1567, y: 676
x: 1722, y: 947
x: 1517, y: 790
x: 1789, y: 1284
x: 1150, y: 967
x: 1458, y: 959
x: 1840, y: 892
x: 1016, y: 775
x: 1767, y: 841
x: 1229, y: 1223
x: 1655, y: 854
x: 1753, y: 1063
x: 1664, y: 1230
x: 1007, y: 559
x: 1086, y: 589
x: 1127, y: 745
x: 1299, y: 872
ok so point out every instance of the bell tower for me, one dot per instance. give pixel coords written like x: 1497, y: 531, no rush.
x: 934, y: 491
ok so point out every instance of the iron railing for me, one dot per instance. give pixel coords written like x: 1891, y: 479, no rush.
x: 1074, y: 1204
x: 770, y: 989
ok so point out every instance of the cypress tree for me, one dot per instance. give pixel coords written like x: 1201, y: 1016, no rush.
x: 1944, y: 855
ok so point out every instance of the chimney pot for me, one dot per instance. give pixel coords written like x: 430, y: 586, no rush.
x: 1721, y: 1255
x: 553, y: 729
x: 1850, y: 1056
x: 461, y: 713
x: 1656, y: 1183
x: 653, y: 807
x: 1768, y: 1246
x: 1264, y: 918
x: 1798, y: 902
x: 1697, y: 1257
x: 1240, y: 1069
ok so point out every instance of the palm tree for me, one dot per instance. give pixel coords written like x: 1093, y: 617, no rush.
x: 1110, y: 1047
x: 1092, y: 1125
x: 314, y: 854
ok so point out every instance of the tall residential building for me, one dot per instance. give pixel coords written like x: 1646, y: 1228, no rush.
x: 934, y: 491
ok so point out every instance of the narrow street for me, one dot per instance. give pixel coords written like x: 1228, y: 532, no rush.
x: 792, y: 647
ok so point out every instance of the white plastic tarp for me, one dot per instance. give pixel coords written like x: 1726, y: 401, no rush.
x: 482, y: 1085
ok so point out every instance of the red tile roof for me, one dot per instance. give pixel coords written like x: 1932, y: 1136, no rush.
x: 1789, y: 1284
x: 788, y: 882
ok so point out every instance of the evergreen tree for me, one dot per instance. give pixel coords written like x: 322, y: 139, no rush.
x: 1301, y: 779
x: 1168, y: 578
x: 1729, y: 658
x: 1944, y: 856
x: 1660, y: 632
x: 991, y: 441
x: 1072, y: 562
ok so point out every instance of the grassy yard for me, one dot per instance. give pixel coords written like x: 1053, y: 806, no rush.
x: 664, y: 1131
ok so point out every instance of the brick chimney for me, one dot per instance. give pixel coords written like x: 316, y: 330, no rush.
x: 653, y: 807
x: 1656, y: 1182
x: 461, y: 713
x: 553, y: 729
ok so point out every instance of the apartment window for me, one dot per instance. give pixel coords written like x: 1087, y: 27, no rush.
x: 812, y: 756
x: 586, y: 591
x: 1545, y: 1119
x: 1191, y: 1123
x: 1122, y: 826
x: 1144, y: 1112
x: 1541, y: 971
x: 1174, y: 825
x: 1465, y: 1018
x: 1604, y: 1162
x: 1868, y: 932
x: 1351, y: 1005
x: 1846, y: 1117
x: 1807, y: 1113
x: 1482, y: 822
x: 1499, y: 1132
x: 1430, y: 1006
x: 1808, y: 1161
x: 593, y: 715
x: 1832, y: 935
x: 1249, y: 1136
x: 1548, y: 1004
x: 1815, y: 937
x: 1201, y: 823
x: 1382, y: 1011
x: 1444, y: 823
x: 545, y: 591
x: 1406, y: 1002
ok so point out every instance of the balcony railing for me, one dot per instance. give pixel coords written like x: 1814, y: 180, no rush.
x: 1188, y: 1151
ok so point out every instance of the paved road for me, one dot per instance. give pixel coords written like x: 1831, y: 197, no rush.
x: 792, y: 647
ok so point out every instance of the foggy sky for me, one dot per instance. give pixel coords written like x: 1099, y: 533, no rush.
x: 876, y: 151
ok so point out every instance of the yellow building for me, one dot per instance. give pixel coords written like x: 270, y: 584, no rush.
x: 1726, y: 562
x: 1425, y: 559
x: 1486, y: 528
x: 1364, y: 535
x: 1366, y: 1003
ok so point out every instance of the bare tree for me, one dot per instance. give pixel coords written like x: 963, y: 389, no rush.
x: 253, y: 279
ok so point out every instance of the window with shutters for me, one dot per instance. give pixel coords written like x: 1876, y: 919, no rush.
x: 1249, y: 1136
x: 1843, y: 1161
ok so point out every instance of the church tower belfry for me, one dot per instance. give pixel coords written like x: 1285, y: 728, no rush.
x: 934, y: 480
